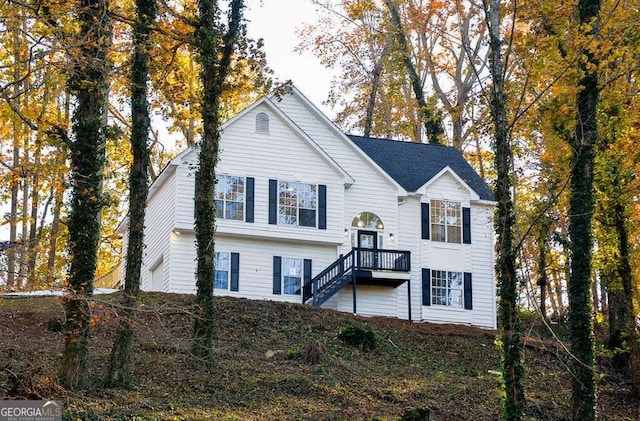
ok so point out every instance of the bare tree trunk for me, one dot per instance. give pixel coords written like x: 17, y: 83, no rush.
x: 12, y: 256
x: 375, y: 85
x: 27, y: 171
x: 368, y: 120
x: 33, y: 239
x: 53, y: 239
x: 543, y: 247
x: 13, y: 215
x: 431, y: 121
x: 553, y: 297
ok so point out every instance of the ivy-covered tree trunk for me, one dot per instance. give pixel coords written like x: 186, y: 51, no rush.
x: 581, y: 208
x: 89, y: 83
x: 214, y: 53
x: 508, y: 319
x: 119, y: 371
x: 626, y: 277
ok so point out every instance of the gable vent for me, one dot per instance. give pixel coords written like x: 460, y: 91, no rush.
x: 262, y: 123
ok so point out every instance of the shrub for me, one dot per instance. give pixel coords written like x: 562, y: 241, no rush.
x: 312, y: 352
x: 419, y: 413
x: 359, y: 337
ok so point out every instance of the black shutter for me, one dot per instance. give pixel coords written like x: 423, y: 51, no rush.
x: 425, y: 220
x: 426, y: 287
x: 235, y: 271
x: 277, y: 274
x: 468, y: 295
x: 322, y: 207
x: 250, y: 187
x: 306, y: 279
x: 273, y: 202
x: 466, y: 225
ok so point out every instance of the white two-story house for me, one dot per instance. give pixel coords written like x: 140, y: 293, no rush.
x: 308, y: 214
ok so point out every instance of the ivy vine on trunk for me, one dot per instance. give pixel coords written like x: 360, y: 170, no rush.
x: 508, y: 318
x: 89, y: 83
x: 119, y: 370
x: 581, y: 208
x: 215, y: 50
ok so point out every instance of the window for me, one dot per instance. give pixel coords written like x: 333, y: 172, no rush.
x: 291, y: 276
x: 222, y: 264
x: 230, y: 197
x: 446, y: 221
x: 367, y: 221
x: 446, y: 288
x: 262, y: 123
x: 297, y: 204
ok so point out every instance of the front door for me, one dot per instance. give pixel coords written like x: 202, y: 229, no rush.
x: 367, y: 240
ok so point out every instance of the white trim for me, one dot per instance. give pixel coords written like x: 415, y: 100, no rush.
x: 447, y: 170
x: 391, y: 275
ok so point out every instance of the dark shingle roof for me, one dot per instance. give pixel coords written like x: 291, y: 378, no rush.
x: 413, y: 164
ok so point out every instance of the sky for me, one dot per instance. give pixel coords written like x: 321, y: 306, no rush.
x: 276, y: 22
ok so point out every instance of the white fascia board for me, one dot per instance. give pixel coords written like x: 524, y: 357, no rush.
x: 447, y: 170
x: 483, y: 202
x: 325, y: 120
x: 166, y: 173
x: 123, y: 226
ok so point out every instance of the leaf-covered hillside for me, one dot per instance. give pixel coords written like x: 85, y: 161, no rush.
x: 285, y: 361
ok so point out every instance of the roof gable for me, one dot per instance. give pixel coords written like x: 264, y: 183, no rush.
x: 413, y: 165
x: 191, y: 153
x: 295, y: 92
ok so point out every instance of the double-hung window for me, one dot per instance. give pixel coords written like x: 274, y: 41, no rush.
x: 230, y: 197
x: 291, y: 276
x: 446, y: 221
x: 222, y: 264
x: 226, y: 271
x: 447, y: 288
x: 297, y: 204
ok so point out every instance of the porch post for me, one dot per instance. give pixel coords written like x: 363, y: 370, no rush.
x: 353, y: 284
x: 409, y: 297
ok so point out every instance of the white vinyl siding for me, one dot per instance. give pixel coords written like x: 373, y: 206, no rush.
x: 245, y: 153
x: 371, y: 192
x: 287, y: 155
x: 371, y: 300
x: 256, y: 267
x: 159, y: 221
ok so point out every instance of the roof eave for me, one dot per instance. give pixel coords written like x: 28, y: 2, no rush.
x: 296, y: 92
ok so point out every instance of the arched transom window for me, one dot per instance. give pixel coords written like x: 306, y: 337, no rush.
x: 367, y: 230
x: 367, y: 220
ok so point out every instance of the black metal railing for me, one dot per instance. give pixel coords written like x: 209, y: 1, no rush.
x: 336, y: 275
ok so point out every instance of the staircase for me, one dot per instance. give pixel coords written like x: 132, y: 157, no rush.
x: 342, y: 272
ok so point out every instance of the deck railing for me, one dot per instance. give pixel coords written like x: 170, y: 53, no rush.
x: 111, y: 279
x: 356, y: 259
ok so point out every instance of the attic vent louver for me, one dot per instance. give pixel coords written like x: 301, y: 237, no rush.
x: 262, y: 123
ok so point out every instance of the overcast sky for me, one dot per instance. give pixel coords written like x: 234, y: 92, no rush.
x: 276, y: 22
